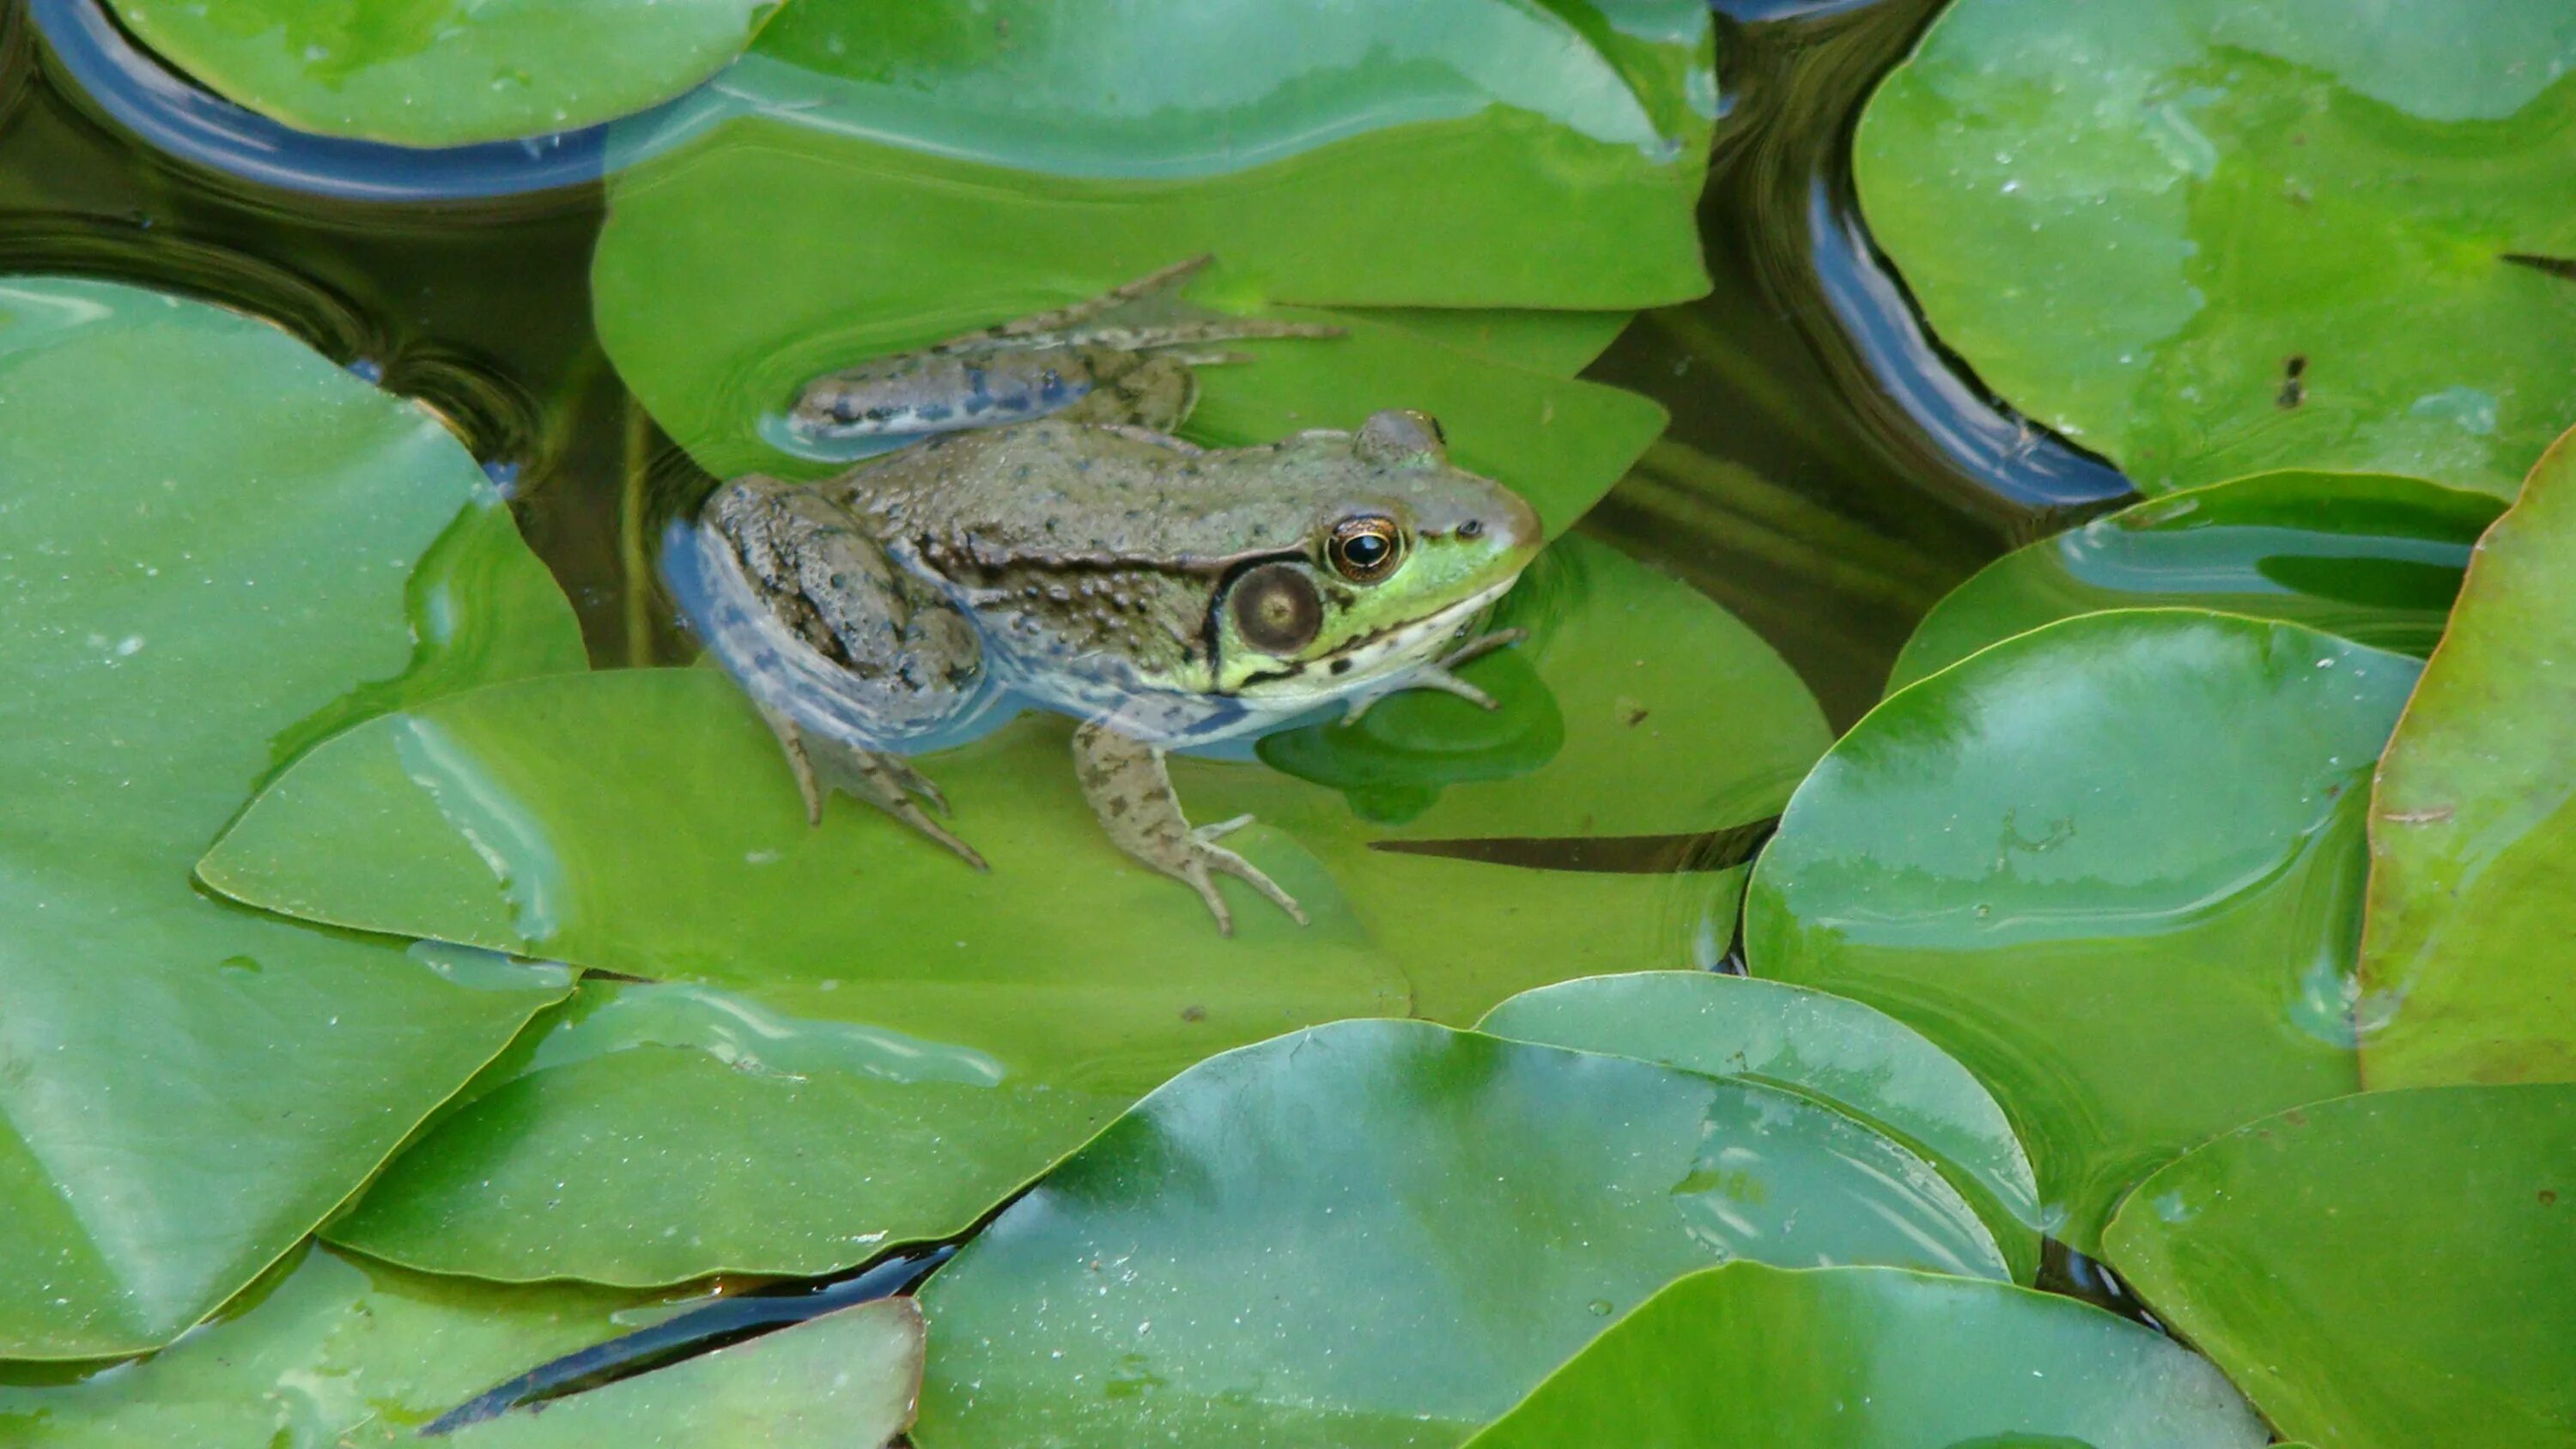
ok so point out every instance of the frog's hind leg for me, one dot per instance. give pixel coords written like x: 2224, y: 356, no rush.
x: 1131, y: 791
x: 1062, y: 319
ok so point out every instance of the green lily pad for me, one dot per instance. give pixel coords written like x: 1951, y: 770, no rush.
x: 2466, y: 947
x: 1851, y: 1057
x: 846, y: 1380
x: 2113, y: 865
x: 2371, y: 557
x: 213, y: 545
x: 2213, y: 237
x: 832, y: 203
x: 1876, y: 1358
x: 1385, y: 1233
x: 846, y: 1037
x: 346, y: 1352
x: 445, y: 75
x: 2379, y: 1271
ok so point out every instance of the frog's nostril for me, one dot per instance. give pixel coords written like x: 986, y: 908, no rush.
x: 1472, y: 528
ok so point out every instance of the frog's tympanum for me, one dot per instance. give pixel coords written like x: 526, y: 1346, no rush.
x: 1085, y: 560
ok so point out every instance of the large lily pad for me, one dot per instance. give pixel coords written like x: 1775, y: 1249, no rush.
x: 1876, y: 1358
x: 2380, y: 1271
x: 346, y: 1352
x: 2373, y: 558
x: 2470, y: 942
x: 847, y: 1037
x: 1852, y: 1057
x: 1385, y: 1233
x: 440, y: 74
x: 2113, y: 865
x: 878, y: 176
x: 2212, y: 237
x: 214, y: 545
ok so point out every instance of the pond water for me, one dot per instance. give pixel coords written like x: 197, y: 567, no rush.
x: 2005, y: 957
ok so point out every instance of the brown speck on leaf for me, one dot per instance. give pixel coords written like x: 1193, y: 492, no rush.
x: 2295, y: 1117
x: 2294, y: 387
x: 2548, y: 1198
x: 1633, y: 716
x: 1193, y: 1013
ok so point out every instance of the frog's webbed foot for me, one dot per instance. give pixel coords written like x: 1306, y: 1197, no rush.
x: 1131, y: 791
x: 1436, y: 675
x: 884, y: 780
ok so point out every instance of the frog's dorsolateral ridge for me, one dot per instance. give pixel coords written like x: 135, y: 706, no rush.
x: 1160, y: 593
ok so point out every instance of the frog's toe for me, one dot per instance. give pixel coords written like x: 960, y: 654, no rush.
x: 1206, y: 857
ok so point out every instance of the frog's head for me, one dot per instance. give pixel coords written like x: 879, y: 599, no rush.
x: 1401, y: 552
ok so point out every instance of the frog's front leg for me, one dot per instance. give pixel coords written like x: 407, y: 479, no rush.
x: 1131, y: 791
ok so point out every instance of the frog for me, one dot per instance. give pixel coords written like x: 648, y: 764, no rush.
x: 1075, y: 554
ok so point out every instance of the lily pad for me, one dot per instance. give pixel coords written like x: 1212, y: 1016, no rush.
x: 2371, y: 557
x: 2379, y: 1271
x: 845, y: 1037
x: 2469, y: 948
x: 2113, y: 865
x: 1851, y: 1057
x: 1753, y: 1357
x: 446, y: 75
x: 1385, y: 1233
x: 878, y: 176
x: 214, y: 545
x: 2212, y: 237
x: 346, y: 1352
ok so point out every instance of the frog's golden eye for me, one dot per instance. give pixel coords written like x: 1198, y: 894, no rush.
x: 1365, y: 549
x: 1276, y: 609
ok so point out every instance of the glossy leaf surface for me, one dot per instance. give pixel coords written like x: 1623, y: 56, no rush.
x: 445, y: 74
x: 2381, y: 1270
x: 2208, y: 238
x: 215, y: 547
x: 2114, y: 866
x: 849, y: 1037
x: 1753, y: 1357
x: 1385, y: 1233
x: 2469, y: 949
x: 878, y: 176
x: 1849, y: 1056
x: 2370, y: 557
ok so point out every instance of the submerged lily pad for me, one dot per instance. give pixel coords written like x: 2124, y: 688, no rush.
x: 2382, y: 1271
x: 2470, y: 945
x: 2113, y: 865
x: 1851, y: 1057
x: 2371, y: 557
x: 350, y: 1353
x: 214, y: 545
x: 847, y: 1037
x: 1384, y: 1233
x: 878, y: 176
x: 444, y: 74
x: 2212, y: 237
x: 1876, y: 1358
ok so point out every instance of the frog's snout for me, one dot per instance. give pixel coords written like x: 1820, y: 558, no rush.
x: 1511, y: 526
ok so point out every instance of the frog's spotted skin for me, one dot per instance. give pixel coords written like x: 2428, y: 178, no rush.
x: 1160, y: 593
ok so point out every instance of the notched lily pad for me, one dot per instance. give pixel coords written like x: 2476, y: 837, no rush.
x: 214, y: 544
x: 2371, y: 557
x: 445, y: 75
x: 2466, y: 951
x: 2213, y: 237
x: 2113, y: 865
x: 947, y: 1034
x: 1876, y: 1358
x: 1385, y: 1233
x: 2381, y: 1270
x: 876, y: 177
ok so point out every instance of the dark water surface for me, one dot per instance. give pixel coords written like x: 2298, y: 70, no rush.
x: 1828, y: 474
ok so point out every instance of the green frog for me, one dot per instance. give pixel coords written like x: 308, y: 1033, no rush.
x: 1087, y: 561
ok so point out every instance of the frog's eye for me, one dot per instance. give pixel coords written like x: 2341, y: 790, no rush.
x: 1365, y: 549
x: 1277, y: 609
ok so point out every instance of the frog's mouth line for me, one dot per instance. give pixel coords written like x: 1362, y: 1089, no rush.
x: 1398, y: 643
